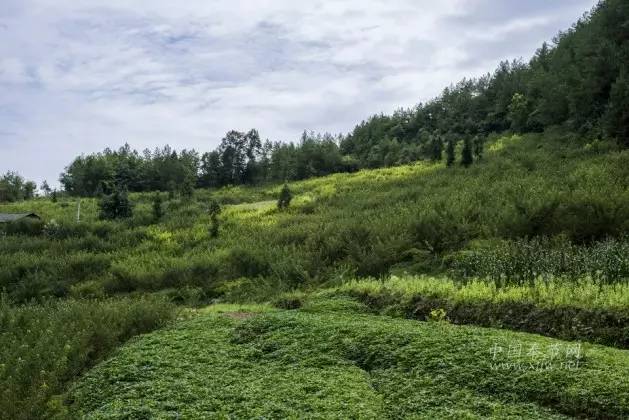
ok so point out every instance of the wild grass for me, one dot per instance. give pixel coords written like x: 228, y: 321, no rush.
x: 581, y: 293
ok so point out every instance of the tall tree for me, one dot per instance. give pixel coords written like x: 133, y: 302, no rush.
x: 467, y: 157
x: 450, y: 156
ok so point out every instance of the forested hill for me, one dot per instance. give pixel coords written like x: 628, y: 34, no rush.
x: 580, y: 81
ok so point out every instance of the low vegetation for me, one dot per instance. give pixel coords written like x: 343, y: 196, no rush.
x: 421, y: 218
x: 339, y: 363
x: 524, y: 225
x: 571, y: 310
x: 46, y: 346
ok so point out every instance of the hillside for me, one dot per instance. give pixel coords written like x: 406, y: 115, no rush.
x: 532, y: 238
x: 331, y: 360
x: 464, y: 258
x: 420, y: 218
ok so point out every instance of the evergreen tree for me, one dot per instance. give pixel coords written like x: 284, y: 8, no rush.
x: 518, y: 112
x: 479, y: 147
x: 450, y: 157
x: 617, y: 115
x: 187, y: 188
x: 285, y: 198
x: 437, y: 149
x: 215, y: 210
x: 116, y: 205
x: 158, y: 211
x: 53, y: 196
x: 172, y: 189
x: 467, y: 157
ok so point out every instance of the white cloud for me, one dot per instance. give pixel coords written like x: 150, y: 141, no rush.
x: 79, y: 76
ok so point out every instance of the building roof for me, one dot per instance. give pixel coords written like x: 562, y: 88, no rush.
x: 12, y: 217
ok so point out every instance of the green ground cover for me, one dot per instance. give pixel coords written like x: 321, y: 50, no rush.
x: 332, y: 361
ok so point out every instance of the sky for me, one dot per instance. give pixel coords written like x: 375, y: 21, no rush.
x: 79, y: 76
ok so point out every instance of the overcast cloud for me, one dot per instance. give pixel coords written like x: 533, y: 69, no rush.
x: 77, y: 76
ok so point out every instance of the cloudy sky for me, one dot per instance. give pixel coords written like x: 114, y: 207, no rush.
x: 77, y: 76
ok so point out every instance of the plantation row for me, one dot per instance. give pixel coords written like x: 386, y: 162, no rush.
x: 571, y: 310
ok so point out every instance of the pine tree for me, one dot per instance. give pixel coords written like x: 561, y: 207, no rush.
x: 158, y: 211
x: 437, y: 149
x: 450, y: 157
x: 467, y: 157
x: 285, y: 198
x: 215, y: 210
x: 479, y: 147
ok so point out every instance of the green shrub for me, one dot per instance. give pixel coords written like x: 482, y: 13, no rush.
x: 44, y: 347
x: 291, y: 300
x: 568, y: 310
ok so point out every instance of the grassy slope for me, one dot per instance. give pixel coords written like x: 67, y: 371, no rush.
x: 331, y: 361
x: 369, y: 223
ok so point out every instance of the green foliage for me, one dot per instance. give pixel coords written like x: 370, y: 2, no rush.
x: 14, y: 188
x: 290, y: 300
x: 436, y: 149
x: 617, y: 115
x: 158, y: 210
x: 285, y: 198
x: 523, y: 260
x: 418, y: 218
x: 44, y: 347
x: 214, y: 209
x: 518, y: 112
x: 575, y: 309
x: 340, y: 364
x: 467, y: 156
x: 450, y: 156
x: 116, y: 205
x: 479, y: 147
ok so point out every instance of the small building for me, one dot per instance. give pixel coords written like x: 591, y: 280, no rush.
x: 16, y: 217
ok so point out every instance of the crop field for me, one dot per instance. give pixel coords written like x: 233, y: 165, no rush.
x: 333, y: 360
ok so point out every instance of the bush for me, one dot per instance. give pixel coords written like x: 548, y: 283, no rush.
x: 291, y: 300
x: 44, y: 347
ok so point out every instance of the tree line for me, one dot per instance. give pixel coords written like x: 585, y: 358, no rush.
x: 241, y: 158
x: 15, y: 188
x: 580, y: 81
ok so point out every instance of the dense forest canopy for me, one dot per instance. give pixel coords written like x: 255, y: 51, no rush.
x: 580, y: 81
